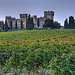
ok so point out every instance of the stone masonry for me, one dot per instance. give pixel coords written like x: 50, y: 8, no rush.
x: 24, y: 17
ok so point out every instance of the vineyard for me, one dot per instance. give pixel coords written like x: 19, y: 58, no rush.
x: 34, y: 50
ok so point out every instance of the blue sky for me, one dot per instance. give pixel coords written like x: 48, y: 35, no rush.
x: 62, y: 8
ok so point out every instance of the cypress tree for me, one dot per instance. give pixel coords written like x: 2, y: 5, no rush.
x: 38, y: 22
x: 21, y: 24
x: 73, y: 25
x: 29, y: 23
x: 16, y: 25
x: 66, y: 25
x: 71, y: 22
x: 10, y: 24
x: 6, y: 26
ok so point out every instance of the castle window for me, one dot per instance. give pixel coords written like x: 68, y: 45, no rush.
x: 45, y: 16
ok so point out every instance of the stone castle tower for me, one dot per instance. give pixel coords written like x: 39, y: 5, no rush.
x: 8, y: 19
x: 35, y: 21
x: 23, y: 17
x: 49, y: 14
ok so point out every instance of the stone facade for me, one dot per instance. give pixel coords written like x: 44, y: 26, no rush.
x: 41, y: 22
x: 24, y: 17
x: 49, y: 14
x: 35, y: 21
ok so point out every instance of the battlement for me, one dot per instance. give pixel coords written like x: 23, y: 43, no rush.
x: 23, y: 15
x: 49, y: 13
x: 46, y: 11
x: 7, y: 17
x: 13, y: 18
x: 24, y: 18
x: 34, y: 16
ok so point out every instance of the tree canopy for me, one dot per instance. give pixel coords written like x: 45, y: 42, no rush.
x: 16, y: 25
x: 6, y: 26
x: 10, y: 24
x: 56, y: 25
x: 1, y: 23
x: 29, y: 23
x: 48, y: 23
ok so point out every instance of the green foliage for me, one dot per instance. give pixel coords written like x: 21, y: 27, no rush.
x: 16, y: 25
x: 63, y: 65
x: 13, y: 62
x: 10, y: 24
x: 6, y: 26
x: 29, y: 23
x: 71, y: 22
x: 37, y: 57
x: 66, y: 25
x: 48, y: 23
x: 0, y: 69
x: 56, y: 25
x: 35, y: 48
x: 1, y: 23
x: 38, y: 22
x: 21, y: 24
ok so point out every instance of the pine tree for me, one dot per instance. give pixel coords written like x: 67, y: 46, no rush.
x: 21, y: 24
x: 6, y: 26
x: 16, y: 25
x: 10, y: 24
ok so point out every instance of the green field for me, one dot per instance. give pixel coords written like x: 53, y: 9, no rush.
x: 30, y: 49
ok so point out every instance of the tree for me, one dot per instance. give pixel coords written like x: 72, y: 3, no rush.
x: 56, y: 25
x: 74, y: 25
x: 48, y: 23
x: 66, y: 25
x: 21, y: 24
x: 29, y: 23
x: 38, y: 22
x: 16, y: 25
x: 71, y: 22
x: 6, y: 26
x: 1, y: 23
x: 10, y: 24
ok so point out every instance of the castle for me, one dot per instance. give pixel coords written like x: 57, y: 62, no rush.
x: 24, y: 17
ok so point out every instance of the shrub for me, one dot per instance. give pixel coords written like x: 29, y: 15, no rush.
x: 63, y: 65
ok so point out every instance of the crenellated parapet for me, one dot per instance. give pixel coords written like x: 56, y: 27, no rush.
x: 24, y: 17
x: 49, y: 14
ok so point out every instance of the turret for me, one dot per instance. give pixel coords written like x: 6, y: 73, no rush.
x: 35, y: 20
x: 49, y: 14
x: 24, y: 17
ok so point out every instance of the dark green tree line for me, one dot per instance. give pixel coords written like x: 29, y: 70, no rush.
x: 16, y: 25
x: 10, y: 24
x: 6, y: 26
x: 21, y: 24
x: 66, y: 25
x: 29, y: 23
x: 48, y: 23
